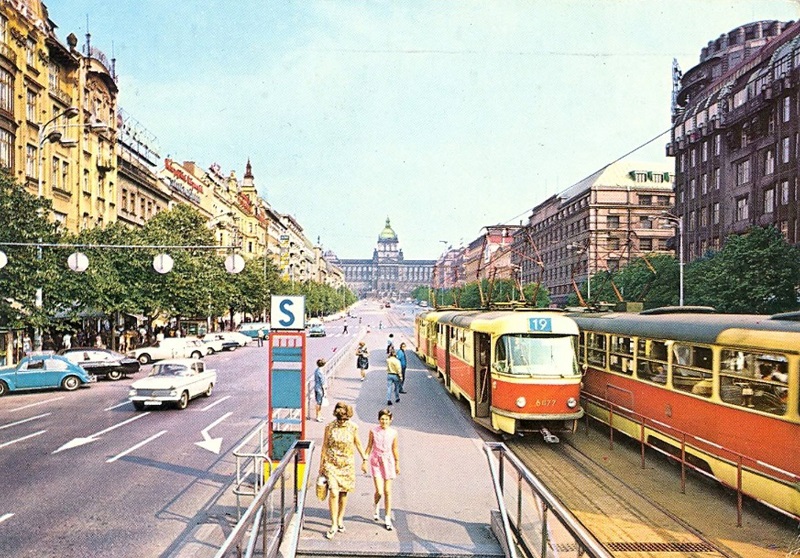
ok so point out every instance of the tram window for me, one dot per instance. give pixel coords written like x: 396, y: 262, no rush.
x: 621, y: 352
x: 596, y: 348
x: 755, y: 380
x: 652, y: 361
x: 536, y: 355
x: 691, y: 367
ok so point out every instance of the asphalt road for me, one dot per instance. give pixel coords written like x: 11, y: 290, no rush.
x: 83, y: 474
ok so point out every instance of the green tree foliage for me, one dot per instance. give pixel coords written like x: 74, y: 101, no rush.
x: 23, y: 219
x: 757, y: 272
x: 497, y: 292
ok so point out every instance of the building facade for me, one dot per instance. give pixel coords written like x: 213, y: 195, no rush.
x: 387, y: 274
x: 736, y: 136
x: 600, y: 223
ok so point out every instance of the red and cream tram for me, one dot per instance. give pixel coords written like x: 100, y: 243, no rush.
x: 723, y: 387
x: 517, y: 369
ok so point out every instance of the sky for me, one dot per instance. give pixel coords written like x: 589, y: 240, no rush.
x: 445, y: 116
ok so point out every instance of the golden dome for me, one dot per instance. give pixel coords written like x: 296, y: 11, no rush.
x: 388, y: 232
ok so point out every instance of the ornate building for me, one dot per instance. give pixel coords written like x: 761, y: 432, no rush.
x: 387, y: 274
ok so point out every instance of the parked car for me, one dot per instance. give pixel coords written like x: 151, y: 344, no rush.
x: 251, y: 328
x: 173, y: 382
x: 235, y: 336
x: 103, y: 363
x: 43, y: 371
x: 316, y: 330
x: 170, y: 347
x: 216, y: 343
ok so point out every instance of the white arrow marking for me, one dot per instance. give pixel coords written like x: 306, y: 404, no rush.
x: 23, y: 438
x: 215, y: 403
x: 212, y: 444
x: 126, y: 402
x: 137, y: 446
x: 75, y: 442
x: 9, y: 425
x: 6, y: 516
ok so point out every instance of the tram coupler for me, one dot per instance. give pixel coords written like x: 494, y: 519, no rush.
x: 549, y: 437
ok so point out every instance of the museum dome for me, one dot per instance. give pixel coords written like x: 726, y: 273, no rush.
x: 388, y: 232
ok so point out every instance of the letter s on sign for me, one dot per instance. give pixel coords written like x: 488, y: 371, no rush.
x: 284, y: 306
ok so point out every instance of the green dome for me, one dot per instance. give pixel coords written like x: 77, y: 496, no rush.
x: 388, y: 232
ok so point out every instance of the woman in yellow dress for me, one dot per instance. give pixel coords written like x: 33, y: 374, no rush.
x: 337, y: 463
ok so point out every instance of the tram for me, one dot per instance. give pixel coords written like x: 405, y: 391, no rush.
x: 720, y: 390
x: 517, y: 370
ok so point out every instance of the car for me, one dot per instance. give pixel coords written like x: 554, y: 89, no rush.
x: 316, y: 330
x: 216, y: 343
x: 239, y: 338
x: 251, y: 329
x: 43, y: 371
x: 387, y: 305
x: 169, y: 347
x: 173, y: 382
x: 103, y: 363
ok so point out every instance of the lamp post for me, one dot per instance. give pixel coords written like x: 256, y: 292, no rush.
x: 677, y: 222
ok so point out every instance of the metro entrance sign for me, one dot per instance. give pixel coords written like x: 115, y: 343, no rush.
x: 286, y: 397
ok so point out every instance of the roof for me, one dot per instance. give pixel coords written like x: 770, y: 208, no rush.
x: 388, y: 232
x: 619, y: 175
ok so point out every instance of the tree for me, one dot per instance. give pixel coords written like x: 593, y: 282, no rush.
x: 757, y: 272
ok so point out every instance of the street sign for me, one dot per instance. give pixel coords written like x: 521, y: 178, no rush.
x: 288, y: 312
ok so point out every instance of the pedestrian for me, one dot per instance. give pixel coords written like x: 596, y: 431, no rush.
x: 98, y: 341
x: 384, y: 464
x: 362, y: 359
x: 401, y: 356
x: 345, y: 327
x: 380, y: 324
x: 261, y: 336
x: 390, y: 343
x: 320, y: 387
x: 394, y: 375
x: 66, y: 341
x: 337, y: 463
x: 47, y: 343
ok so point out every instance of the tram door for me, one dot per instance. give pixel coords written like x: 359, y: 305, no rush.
x: 482, y: 376
x: 447, y: 332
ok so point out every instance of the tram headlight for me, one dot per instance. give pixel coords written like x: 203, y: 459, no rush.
x: 521, y: 402
x: 571, y: 403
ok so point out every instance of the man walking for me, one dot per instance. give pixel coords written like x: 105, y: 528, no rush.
x: 261, y: 336
x: 394, y: 375
x: 345, y: 327
x: 401, y: 356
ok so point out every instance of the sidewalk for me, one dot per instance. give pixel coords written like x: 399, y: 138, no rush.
x: 443, y: 496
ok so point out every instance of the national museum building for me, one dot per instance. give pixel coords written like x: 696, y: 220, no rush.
x: 387, y: 274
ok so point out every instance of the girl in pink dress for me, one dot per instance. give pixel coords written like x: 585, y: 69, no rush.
x: 384, y: 463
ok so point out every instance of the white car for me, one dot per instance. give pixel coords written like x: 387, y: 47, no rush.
x: 173, y: 382
x: 216, y: 343
x: 240, y: 338
x: 170, y: 347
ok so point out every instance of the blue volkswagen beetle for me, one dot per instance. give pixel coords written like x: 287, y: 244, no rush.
x: 41, y: 372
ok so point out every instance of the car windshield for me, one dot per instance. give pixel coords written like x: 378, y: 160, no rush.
x: 169, y: 370
x: 536, y: 355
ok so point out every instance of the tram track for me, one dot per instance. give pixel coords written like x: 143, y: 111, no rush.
x: 627, y: 517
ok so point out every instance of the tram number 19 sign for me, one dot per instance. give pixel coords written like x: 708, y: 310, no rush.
x: 540, y: 325
x: 288, y: 312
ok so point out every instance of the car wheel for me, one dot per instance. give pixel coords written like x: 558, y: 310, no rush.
x: 138, y: 405
x: 144, y: 358
x: 3, y: 388
x: 207, y: 393
x: 183, y: 402
x: 114, y: 375
x: 70, y: 383
x: 210, y: 351
x: 197, y: 354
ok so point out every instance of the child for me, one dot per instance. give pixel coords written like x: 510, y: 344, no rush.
x: 384, y: 463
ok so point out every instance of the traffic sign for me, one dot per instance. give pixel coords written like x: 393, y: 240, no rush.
x: 288, y: 312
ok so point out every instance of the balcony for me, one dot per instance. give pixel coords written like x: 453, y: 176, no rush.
x: 105, y: 164
x: 60, y: 95
x: 8, y: 54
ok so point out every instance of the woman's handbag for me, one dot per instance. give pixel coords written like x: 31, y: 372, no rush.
x: 322, y: 488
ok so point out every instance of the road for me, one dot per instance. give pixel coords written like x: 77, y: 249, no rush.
x: 83, y: 474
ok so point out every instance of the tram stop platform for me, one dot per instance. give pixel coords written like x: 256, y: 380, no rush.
x: 443, y: 497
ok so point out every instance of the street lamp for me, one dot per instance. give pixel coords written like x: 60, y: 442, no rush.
x: 677, y: 221
x: 584, y: 250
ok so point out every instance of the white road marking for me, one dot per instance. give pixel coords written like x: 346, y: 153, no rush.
x: 10, y: 424
x: 212, y: 444
x: 137, y: 446
x: 75, y: 442
x: 35, y: 404
x: 23, y: 438
x: 6, y: 516
x: 117, y: 405
x: 215, y: 403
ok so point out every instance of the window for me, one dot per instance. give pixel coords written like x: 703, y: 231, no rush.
x: 645, y: 223
x: 743, y: 173
x: 769, y: 200
x: 6, y: 148
x: 787, y: 109
x: 715, y: 213
x: 716, y: 178
x: 645, y: 200
x: 704, y: 184
x: 3, y: 29
x: 621, y: 357
x: 612, y: 221
x: 646, y: 244
x: 691, y: 369
x: 30, y: 161
x: 693, y: 157
x: 785, y: 149
x: 741, y: 209
x: 596, y: 349
x: 652, y: 361
x: 769, y: 162
x: 65, y: 176
x: 663, y: 200
x: 54, y: 173
x: 754, y: 380
x: 717, y: 143
x: 692, y: 188
x: 30, y: 52
x: 704, y: 151
x: 30, y: 105
x: 785, y: 192
x: 703, y: 217
x: 613, y: 243
x: 6, y: 91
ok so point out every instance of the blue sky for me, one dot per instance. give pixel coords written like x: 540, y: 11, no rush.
x: 445, y: 116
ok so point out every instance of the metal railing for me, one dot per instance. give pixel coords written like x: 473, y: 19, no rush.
x: 533, y: 519
x: 280, y: 500
x: 251, y: 456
